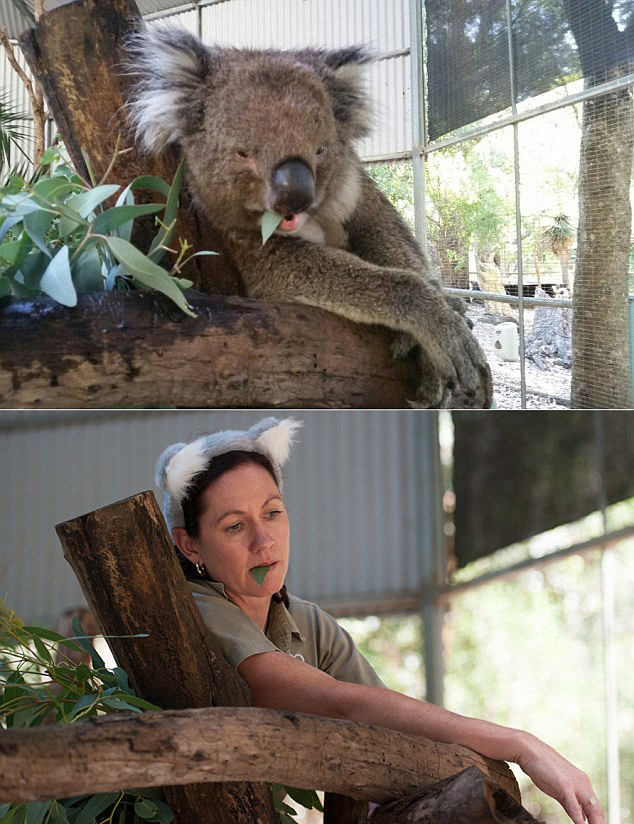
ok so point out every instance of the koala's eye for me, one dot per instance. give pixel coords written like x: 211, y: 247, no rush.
x: 242, y: 154
x: 321, y: 151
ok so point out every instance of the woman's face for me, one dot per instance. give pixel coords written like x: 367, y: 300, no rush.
x: 244, y: 525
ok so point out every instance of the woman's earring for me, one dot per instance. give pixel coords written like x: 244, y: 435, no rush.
x: 200, y: 568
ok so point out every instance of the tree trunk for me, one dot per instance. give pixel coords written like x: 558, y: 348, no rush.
x: 134, y: 349
x: 129, y: 573
x: 467, y: 798
x: 600, y: 331
x: 86, y: 92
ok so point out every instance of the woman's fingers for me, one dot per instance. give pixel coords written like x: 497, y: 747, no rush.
x: 592, y: 810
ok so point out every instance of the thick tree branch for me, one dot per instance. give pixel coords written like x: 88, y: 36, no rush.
x: 229, y: 744
x: 133, y: 349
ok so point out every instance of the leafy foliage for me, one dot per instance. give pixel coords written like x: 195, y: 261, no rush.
x: 11, y: 133
x: 40, y: 684
x: 59, y: 237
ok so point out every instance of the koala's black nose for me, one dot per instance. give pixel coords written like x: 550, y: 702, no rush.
x: 293, y: 187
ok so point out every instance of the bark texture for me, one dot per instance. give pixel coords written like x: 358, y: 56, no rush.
x: 128, y: 571
x: 467, y: 798
x: 600, y: 331
x: 86, y: 90
x: 134, y: 349
x: 230, y: 744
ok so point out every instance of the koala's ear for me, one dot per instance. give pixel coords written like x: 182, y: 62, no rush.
x: 343, y: 73
x: 166, y: 101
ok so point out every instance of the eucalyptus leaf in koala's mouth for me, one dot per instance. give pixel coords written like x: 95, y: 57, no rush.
x: 259, y: 573
x: 270, y: 221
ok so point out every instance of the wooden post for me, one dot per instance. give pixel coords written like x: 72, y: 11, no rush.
x: 127, y: 567
x: 75, y: 52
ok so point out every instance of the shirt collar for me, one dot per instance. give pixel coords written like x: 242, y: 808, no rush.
x: 280, y: 626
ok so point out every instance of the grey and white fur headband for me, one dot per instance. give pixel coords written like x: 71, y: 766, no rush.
x: 179, y: 464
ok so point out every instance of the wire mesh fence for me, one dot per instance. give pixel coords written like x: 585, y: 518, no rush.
x: 528, y: 156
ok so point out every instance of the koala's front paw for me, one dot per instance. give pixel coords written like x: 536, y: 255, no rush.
x: 463, y: 376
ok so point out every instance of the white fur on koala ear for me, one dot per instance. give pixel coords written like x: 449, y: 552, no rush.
x: 277, y: 440
x: 170, y: 64
x: 185, y: 465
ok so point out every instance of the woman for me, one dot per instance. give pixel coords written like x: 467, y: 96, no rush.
x: 223, y: 503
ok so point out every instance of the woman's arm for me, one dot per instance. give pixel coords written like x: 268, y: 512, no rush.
x: 282, y: 682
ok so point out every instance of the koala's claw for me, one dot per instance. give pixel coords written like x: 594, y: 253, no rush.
x: 463, y: 375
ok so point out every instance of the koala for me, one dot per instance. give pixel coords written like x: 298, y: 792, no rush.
x: 274, y: 130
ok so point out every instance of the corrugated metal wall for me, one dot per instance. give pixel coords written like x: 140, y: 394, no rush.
x: 383, y: 25
x: 353, y: 490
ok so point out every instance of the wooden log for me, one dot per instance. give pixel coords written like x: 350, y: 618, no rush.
x: 467, y: 798
x: 230, y: 744
x: 129, y: 573
x: 86, y: 89
x: 136, y: 349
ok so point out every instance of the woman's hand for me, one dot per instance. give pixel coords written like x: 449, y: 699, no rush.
x: 557, y: 777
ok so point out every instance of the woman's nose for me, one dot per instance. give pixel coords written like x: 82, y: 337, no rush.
x: 261, y: 540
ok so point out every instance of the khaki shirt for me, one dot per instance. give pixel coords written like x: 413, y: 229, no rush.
x: 303, y: 631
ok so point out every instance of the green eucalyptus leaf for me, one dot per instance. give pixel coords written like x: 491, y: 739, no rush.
x: 281, y: 807
x: 53, y: 189
x: 58, y: 814
x: 23, y: 292
x: 183, y: 283
x: 164, y: 814
x: 36, y: 225
x: 122, y: 680
x: 97, y: 804
x: 148, y: 273
x: 8, y: 223
x: 82, y: 640
x: 33, y: 267
x: 49, y: 156
x: 5, y: 287
x: 87, y: 270
x: 144, y: 182
x: 259, y: 573
x: 85, y: 203
x: 42, y: 650
x: 35, y: 811
x: 135, y: 701
x: 118, y: 704
x: 146, y: 808
x: 81, y: 704
x: 270, y: 221
x: 4, y: 808
x: 15, y: 251
x: 115, y: 217
x: 164, y: 235
x: 57, y: 281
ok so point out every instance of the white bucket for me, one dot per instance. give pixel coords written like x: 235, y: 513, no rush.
x: 507, y: 341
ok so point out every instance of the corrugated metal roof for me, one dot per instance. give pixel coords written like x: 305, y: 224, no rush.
x: 381, y: 25
x: 352, y: 488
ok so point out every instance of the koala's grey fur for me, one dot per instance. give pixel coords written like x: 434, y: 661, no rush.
x: 239, y: 115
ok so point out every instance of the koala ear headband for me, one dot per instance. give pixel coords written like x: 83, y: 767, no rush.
x: 179, y: 464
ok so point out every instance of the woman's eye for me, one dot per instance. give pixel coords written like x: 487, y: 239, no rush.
x: 273, y: 513
x: 234, y: 528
